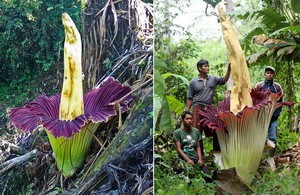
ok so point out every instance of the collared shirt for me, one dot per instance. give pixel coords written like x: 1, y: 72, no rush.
x: 202, y: 91
x: 274, y: 88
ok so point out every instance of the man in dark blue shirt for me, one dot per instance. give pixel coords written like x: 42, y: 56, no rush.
x: 274, y: 87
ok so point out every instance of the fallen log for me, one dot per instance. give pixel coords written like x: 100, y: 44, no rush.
x: 13, y: 148
x: 109, y: 177
x: 292, y: 155
x: 18, y: 161
x: 133, y: 138
x: 7, y: 149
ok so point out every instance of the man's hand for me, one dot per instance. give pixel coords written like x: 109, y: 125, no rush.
x: 229, y: 65
x: 200, y: 162
x: 189, y: 103
x: 227, y: 74
x: 190, y: 162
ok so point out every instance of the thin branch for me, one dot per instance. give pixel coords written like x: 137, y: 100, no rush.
x: 16, y: 161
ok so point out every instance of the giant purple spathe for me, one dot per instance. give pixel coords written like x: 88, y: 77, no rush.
x: 44, y: 111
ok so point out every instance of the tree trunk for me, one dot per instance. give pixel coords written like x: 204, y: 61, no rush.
x: 131, y: 148
x: 289, y: 94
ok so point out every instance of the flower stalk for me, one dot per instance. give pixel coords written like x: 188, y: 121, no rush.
x: 242, y: 136
x: 240, y: 93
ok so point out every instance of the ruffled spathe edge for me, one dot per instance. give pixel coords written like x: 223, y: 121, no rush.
x: 213, y: 116
x: 44, y: 111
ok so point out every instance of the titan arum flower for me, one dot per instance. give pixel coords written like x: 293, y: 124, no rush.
x: 70, y: 119
x: 242, y: 136
x: 241, y: 121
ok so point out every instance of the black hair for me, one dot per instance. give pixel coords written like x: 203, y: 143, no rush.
x: 185, y: 113
x: 201, y: 62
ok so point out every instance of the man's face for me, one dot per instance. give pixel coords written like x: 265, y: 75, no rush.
x: 188, y: 120
x: 269, y: 75
x: 204, y: 68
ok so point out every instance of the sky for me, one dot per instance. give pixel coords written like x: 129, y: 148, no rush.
x: 198, y: 24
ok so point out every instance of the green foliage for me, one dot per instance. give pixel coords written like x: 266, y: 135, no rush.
x: 174, y: 176
x: 294, y: 29
x: 271, y: 19
x: 20, y: 91
x: 285, y: 138
x: 170, y: 86
x: 31, y: 36
x: 268, y: 17
x: 278, y: 21
x: 285, y: 180
x: 168, y: 74
x: 175, y: 105
x: 107, y: 63
x: 295, y: 6
x: 165, y: 28
x: 18, y: 182
x: 31, y: 44
x: 178, y: 65
x: 161, y: 106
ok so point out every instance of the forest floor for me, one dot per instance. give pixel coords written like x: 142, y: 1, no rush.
x: 279, y: 174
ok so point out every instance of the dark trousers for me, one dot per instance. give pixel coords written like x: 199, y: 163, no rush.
x: 208, y: 132
x: 204, y: 170
x: 203, y: 167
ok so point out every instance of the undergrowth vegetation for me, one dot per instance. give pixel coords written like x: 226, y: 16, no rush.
x: 174, y: 176
x: 22, y: 90
x: 284, y: 180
